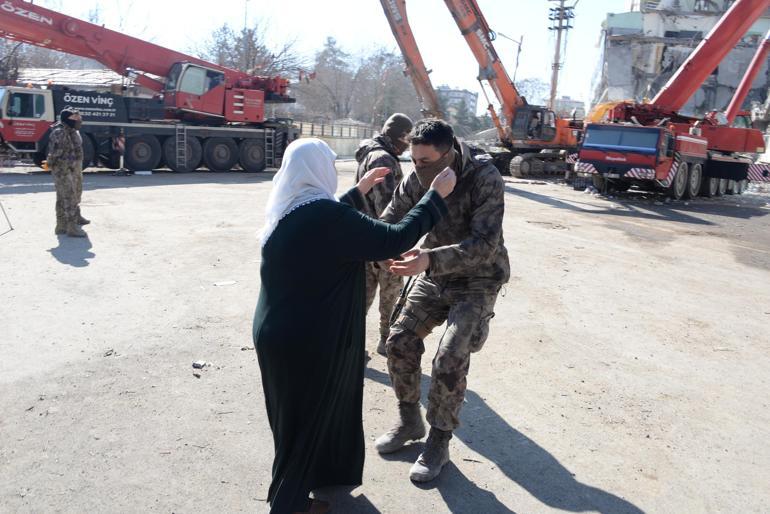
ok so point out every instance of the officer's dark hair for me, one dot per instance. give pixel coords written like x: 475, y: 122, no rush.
x: 434, y: 132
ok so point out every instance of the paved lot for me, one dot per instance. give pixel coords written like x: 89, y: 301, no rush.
x: 627, y: 369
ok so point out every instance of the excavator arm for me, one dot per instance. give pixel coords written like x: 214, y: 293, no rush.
x: 474, y: 28
x: 395, y: 12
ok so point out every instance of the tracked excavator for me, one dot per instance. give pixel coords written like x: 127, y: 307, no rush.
x: 534, y: 139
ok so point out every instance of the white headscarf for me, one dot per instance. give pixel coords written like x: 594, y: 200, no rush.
x: 307, y: 174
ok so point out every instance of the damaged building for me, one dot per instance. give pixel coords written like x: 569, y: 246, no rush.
x: 643, y: 47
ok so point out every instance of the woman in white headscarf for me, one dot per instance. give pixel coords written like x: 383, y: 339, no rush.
x: 309, y: 323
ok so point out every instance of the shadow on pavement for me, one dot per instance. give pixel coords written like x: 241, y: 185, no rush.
x: 343, y: 501
x: 518, y: 457
x: 36, y: 182
x: 638, y: 206
x: 73, y: 251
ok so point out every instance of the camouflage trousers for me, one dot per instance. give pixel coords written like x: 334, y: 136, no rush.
x: 467, y: 308
x: 68, y: 180
x: 390, y: 287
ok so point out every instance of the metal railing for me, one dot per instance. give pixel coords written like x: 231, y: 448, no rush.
x: 335, y: 130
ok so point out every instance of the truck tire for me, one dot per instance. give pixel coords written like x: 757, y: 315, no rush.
x: 252, y: 155
x: 722, y: 187
x: 709, y: 187
x: 694, y: 180
x: 142, y: 153
x: 220, y: 153
x: 599, y: 182
x: 678, y: 185
x: 194, y: 154
x: 89, y: 151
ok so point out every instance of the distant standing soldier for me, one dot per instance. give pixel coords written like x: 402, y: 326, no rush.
x: 465, y: 263
x: 65, y: 160
x: 383, y: 151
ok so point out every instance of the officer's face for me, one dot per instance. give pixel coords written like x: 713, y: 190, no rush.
x: 425, y: 155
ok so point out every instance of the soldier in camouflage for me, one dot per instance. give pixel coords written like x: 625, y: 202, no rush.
x: 383, y: 151
x: 464, y: 264
x: 65, y: 160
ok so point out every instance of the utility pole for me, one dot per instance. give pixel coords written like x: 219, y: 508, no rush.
x: 561, y: 21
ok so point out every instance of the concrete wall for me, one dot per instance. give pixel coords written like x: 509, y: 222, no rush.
x: 636, y: 65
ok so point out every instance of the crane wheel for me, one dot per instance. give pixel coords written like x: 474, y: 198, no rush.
x: 709, y: 187
x: 678, y: 186
x: 722, y: 190
x: 193, y: 154
x: 143, y: 153
x: 694, y: 181
x: 252, y: 155
x: 89, y: 151
x: 220, y: 153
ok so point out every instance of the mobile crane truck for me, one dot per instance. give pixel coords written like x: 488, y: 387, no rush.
x: 653, y: 145
x: 201, y: 114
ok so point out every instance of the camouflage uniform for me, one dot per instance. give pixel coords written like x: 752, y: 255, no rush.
x: 375, y: 153
x: 65, y: 160
x: 468, y: 265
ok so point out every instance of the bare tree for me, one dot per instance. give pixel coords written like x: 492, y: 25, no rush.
x: 248, y: 50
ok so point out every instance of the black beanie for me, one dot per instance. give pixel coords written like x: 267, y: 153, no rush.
x: 66, y: 113
x: 397, y: 125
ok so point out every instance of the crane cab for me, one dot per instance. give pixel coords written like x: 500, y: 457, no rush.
x: 25, y: 115
x: 534, y: 122
x: 199, y: 92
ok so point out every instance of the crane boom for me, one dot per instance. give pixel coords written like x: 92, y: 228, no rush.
x: 30, y: 23
x: 475, y: 29
x: 748, y: 79
x: 709, y: 53
x: 395, y: 12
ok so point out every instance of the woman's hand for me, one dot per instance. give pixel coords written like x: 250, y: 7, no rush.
x: 444, y: 183
x: 411, y: 263
x: 372, y: 177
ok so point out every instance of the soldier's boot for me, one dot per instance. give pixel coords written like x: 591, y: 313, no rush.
x: 381, y: 346
x: 410, y: 427
x: 74, y: 230
x: 61, y: 226
x: 81, y: 220
x: 432, y: 460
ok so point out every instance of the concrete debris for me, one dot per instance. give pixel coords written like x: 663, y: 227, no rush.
x: 200, y: 364
x: 225, y: 283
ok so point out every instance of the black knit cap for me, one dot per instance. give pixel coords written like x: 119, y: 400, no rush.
x: 65, y: 113
x: 397, y: 125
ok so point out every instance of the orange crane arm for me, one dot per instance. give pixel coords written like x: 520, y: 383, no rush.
x: 709, y: 53
x: 474, y: 28
x: 395, y: 12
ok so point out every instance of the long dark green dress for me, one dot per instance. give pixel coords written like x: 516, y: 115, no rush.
x: 309, y: 337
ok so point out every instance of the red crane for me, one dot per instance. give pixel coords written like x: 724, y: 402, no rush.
x: 192, y: 87
x: 760, y: 57
x: 643, y: 143
x: 203, y: 114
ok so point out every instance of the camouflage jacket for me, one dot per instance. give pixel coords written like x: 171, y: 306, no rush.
x: 375, y: 153
x: 468, y: 242
x: 65, y: 147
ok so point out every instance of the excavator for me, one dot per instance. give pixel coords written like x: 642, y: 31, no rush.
x: 202, y: 113
x: 536, y: 141
x: 654, y: 145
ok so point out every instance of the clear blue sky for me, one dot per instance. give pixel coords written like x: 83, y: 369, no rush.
x: 360, y: 24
